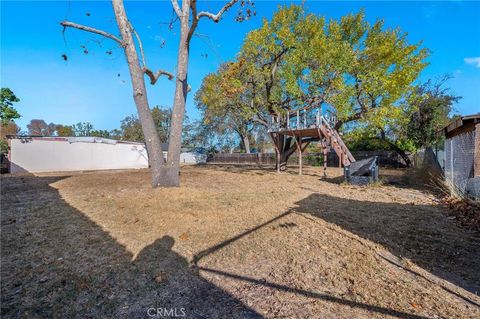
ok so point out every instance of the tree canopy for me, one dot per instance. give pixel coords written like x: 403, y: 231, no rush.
x: 7, y: 111
x: 64, y: 130
x: 430, y: 107
x: 131, y: 128
x: 364, y: 71
x: 41, y: 128
x: 299, y: 59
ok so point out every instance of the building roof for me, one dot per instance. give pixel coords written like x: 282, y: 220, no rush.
x: 461, y: 125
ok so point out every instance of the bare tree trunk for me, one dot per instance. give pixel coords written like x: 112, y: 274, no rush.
x: 171, y: 171
x: 242, y: 145
x: 397, y: 149
x: 246, y: 143
x: 400, y: 152
x: 152, y: 140
x: 286, y: 149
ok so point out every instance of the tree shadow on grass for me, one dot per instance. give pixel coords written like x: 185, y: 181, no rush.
x: 402, y: 179
x: 310, y: 294
x: 55, y: 262
x: 417, y: 232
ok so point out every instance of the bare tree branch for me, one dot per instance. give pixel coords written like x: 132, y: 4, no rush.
x: 216, y: 17
x: 154, y: 76
x: 69, y: 24
x: 195, y: 18
x: 140, y: 45
x: 176, y: 7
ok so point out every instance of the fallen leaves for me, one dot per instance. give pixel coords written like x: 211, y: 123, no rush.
x: 463, y: 211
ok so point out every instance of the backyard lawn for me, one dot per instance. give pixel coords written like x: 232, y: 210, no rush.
x: 231, y: 242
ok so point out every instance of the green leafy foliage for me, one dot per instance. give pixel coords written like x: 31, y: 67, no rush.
x: 82, y: 129
x: 100, y: 133
x: 131, y: 128
x: 359, y: 141
x: 64, y: 130
x: 4, y: 146
x: 7, y: 112
x: 416, y: 123
x: 430, y: 107
x: 222, y: 110
x: 364, y: 71
x: 10, y: 129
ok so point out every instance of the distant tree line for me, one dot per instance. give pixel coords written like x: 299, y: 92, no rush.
x: 195, y: 134
x: 130, y: 127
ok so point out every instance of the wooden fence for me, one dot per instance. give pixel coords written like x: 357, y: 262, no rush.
x: 261, y: 159
x: 385, y: 158
x: 240, y: 158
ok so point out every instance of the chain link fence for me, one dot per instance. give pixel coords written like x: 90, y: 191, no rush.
x: 459, y: 161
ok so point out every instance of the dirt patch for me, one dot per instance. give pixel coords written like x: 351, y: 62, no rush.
x: 231, y: 243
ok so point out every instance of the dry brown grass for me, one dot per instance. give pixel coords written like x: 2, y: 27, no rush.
x: 231, y: 242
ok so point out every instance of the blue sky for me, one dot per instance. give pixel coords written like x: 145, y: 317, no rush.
x: 95, y: 87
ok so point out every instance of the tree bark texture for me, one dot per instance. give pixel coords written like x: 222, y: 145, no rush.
x: 397, y: 149
x: 152, y: 140
x: 244, y: 142
x: 170, y: 176
x: 286, y: 147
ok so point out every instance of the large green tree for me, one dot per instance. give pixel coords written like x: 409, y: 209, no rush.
x: 298, y: 60
x: 222, y: 110
x: 430, y: 108
x: 412, y: 124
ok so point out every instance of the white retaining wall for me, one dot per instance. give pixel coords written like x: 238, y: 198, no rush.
x: 36, y: 155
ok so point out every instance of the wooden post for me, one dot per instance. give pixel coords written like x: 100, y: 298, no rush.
x: 277, y: 152
x: 276, y: 140
x: 325, y: 159
x: 298, y: 141
x: 300, y: 156
x: 340, y: 160
x: 277, y: 159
